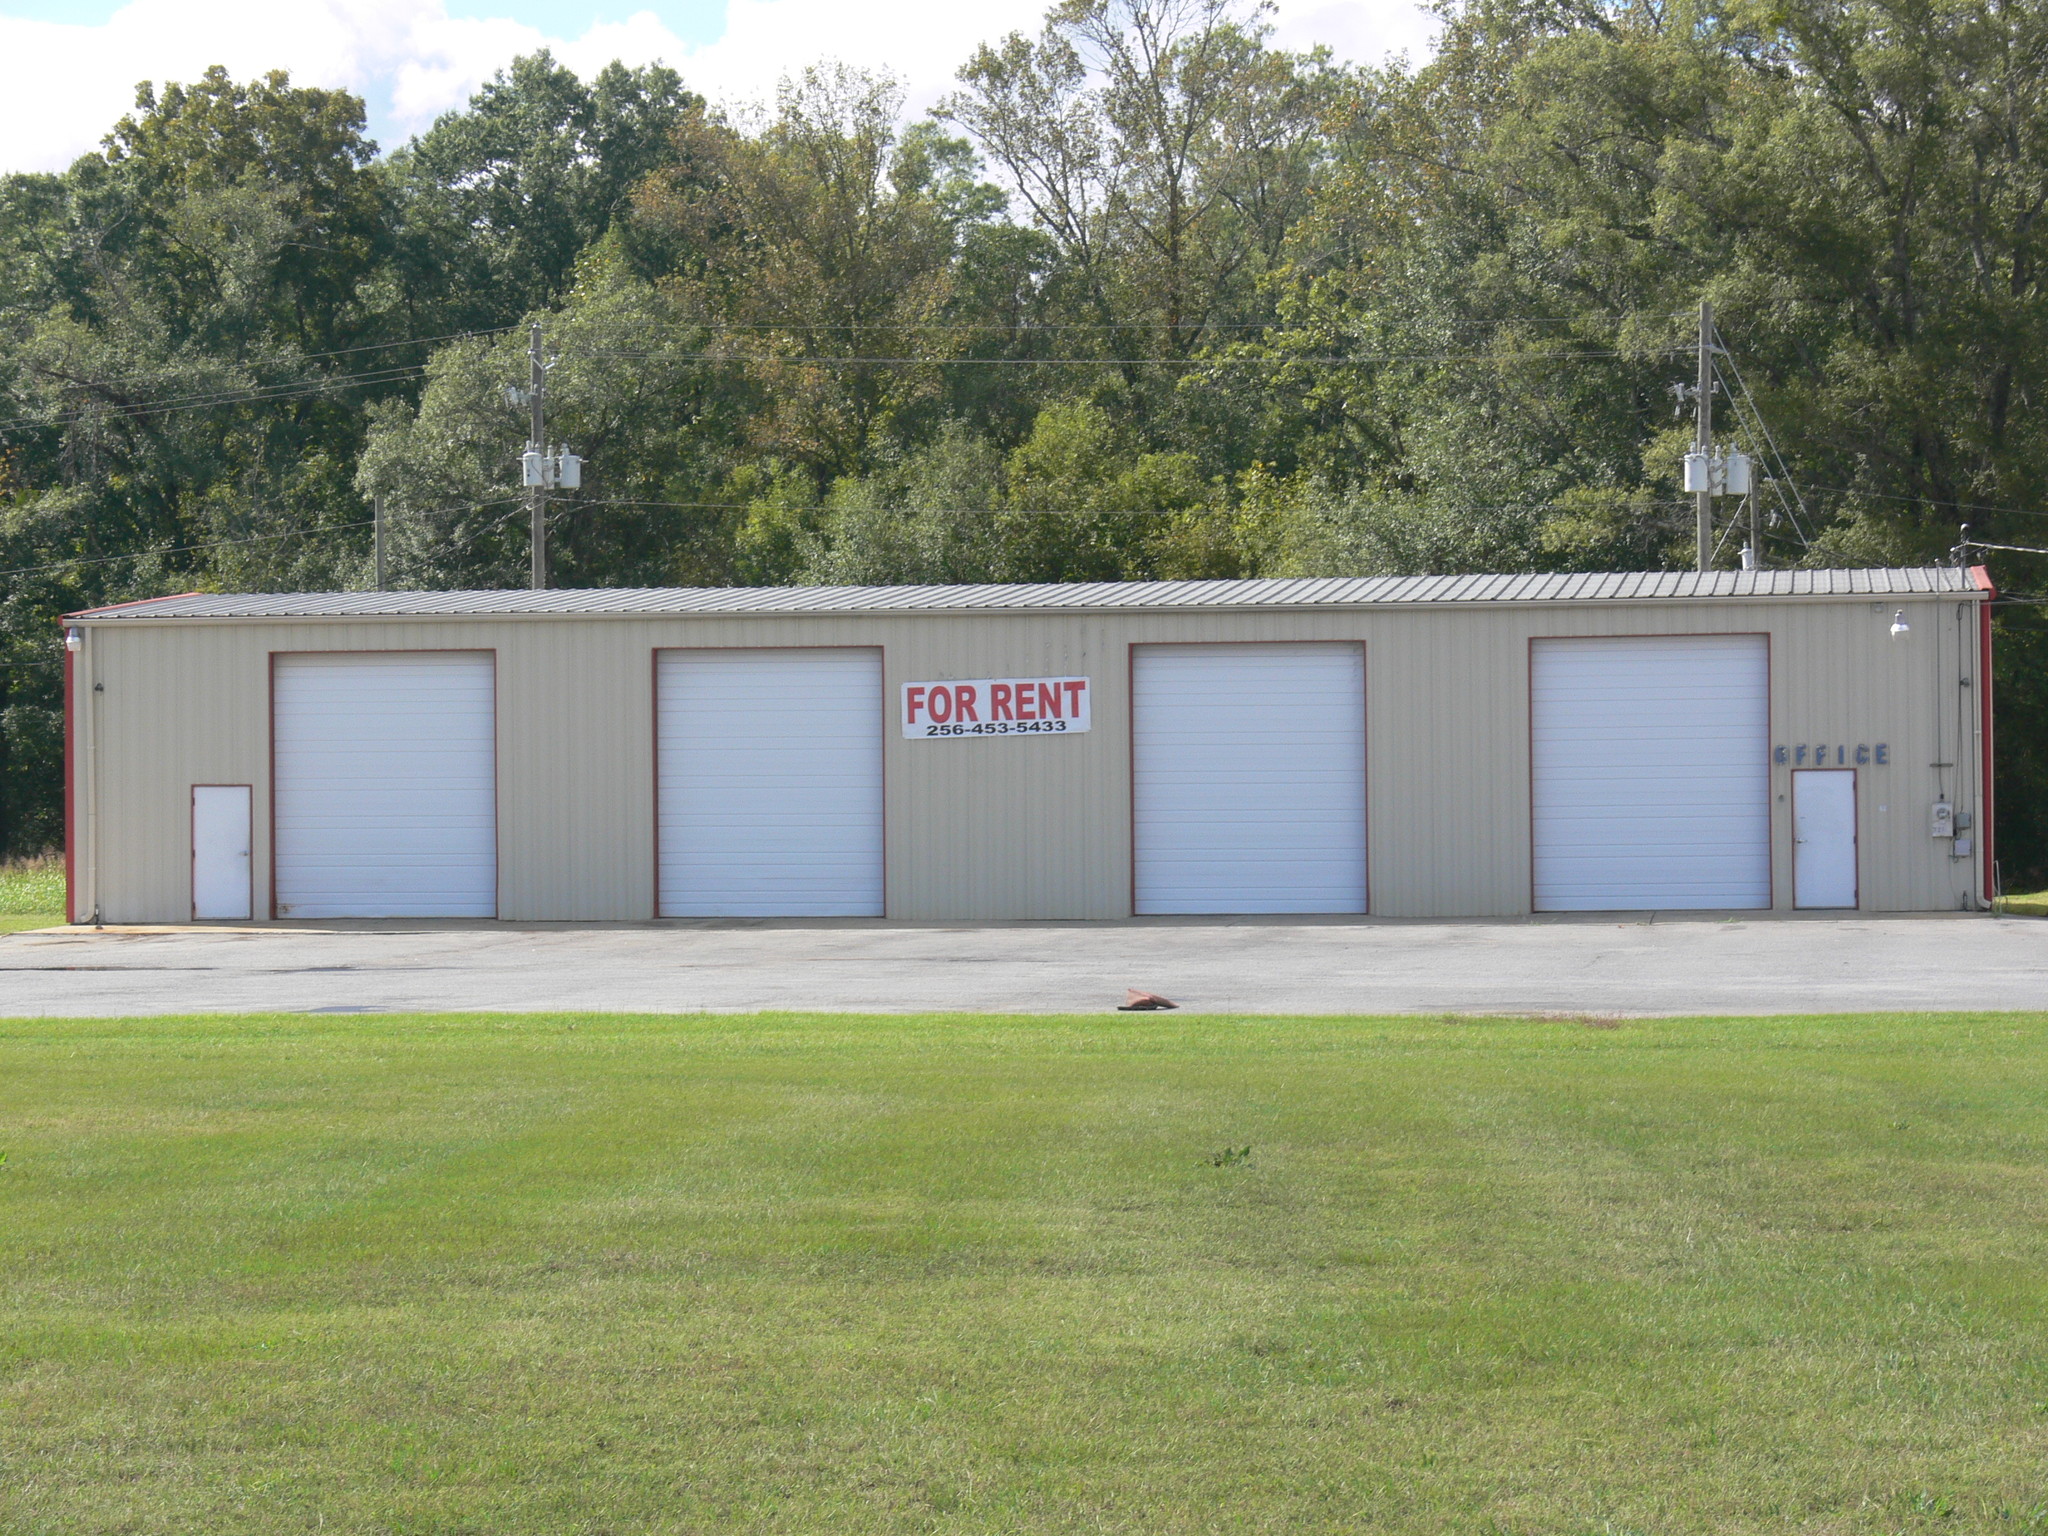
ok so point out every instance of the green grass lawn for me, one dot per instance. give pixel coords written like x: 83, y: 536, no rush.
x: 31, y: 892
x: 601, y: 1274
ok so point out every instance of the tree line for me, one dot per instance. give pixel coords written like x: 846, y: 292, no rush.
x: 1146, y: 296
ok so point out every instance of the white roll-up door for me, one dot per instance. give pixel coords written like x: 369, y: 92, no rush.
x: 1248, y: 777
x: 386, y: 796
x: 770, y: 782
x: 1650, y: 772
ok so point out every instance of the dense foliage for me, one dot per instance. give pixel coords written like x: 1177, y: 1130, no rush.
x: 1147, y: 297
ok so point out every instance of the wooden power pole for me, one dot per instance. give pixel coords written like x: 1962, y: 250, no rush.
x: 1703, y: 440
x: 537, y: 495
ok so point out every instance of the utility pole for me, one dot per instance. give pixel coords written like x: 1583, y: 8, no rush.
x: 1703, y: 437
x: 537, y: 494
x: 377, y: 512
x: 1756, y: 526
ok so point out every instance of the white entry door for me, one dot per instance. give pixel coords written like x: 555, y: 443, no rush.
x: 386, y: 792
x: 1650, y: 772
x: 1248, y: 777
x: 220, y: 851
x: 769, y: 781
x: 1824, y: 837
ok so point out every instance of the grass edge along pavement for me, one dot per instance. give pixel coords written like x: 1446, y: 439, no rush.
x: 31, y: 892
x: 787, y: 1273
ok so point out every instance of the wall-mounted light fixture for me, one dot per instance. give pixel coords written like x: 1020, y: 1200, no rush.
x: 73, y: 640
x: 1900, y: 628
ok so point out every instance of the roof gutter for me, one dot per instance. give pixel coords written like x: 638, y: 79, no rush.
x: 98, y: 616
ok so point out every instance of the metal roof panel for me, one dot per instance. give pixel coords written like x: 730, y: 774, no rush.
x: 1265, y: 592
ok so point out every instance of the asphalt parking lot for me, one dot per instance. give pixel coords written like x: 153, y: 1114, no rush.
x: 1640, y: 965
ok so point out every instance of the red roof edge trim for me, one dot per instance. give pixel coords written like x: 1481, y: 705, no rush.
x: 1982, y: 577
x: 86, y: 613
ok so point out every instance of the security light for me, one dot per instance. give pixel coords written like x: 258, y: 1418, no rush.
x: 73, y: 640
x: 1900, y: 628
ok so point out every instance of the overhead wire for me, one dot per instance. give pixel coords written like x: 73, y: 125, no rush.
x: 578, y: 504
x: 823, y: 359
x: 1780, y: 484
x: 261, y: 538
x: 262, y: 394
x: 1936, y: 501
x: 1764, y: 430
x: 368, y: 346
x: 258, y: 395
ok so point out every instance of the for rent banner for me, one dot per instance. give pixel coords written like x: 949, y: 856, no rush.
x: 996, y: 706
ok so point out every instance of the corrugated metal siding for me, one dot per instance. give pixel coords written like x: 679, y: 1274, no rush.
x: 1356, y: 591
x: 1033, y: 827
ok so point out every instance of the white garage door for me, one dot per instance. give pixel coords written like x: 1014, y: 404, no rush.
x: 770, y: 782
x: 1249, y: 778
x: 386, y: 784
x: 1651, y: 774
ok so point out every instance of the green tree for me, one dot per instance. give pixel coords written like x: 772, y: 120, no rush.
x: 628, y: 389
x: 1507, y: 258
x: 821, y: 251
x: 181, y: 318
x: 1164, y: 150
x: 496, y: 203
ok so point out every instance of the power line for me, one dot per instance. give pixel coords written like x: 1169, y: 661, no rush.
x: 742, y: 506
x: 307, y: 388
x: 1784, y: 478
x: 1122, y: 362
x: 371, y: 346
x: 1935, y: 501
x: 1084, y: 325
x: 259, y: 395
x: 179, y: 549
x: 261, y: 538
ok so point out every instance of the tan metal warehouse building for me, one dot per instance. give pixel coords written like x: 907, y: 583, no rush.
x: 1481, y: 746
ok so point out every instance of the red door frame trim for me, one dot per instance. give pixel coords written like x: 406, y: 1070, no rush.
x: 1855, y: 836
x: 1131, y: 648
x: 1770, y: 717
x: 497, y: 753
x: 881, y: 723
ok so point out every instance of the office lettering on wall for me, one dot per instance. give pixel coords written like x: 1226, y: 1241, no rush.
x: 1822, y: 754
x: 995, y: 706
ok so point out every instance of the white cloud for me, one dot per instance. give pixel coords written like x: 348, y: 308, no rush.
x: 412, y: 61
x: 925, y: 42
x: 1362, y: 32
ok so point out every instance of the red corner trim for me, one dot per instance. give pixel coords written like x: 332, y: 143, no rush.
x: 70, y: 789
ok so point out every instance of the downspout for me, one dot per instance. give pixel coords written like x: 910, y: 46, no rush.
x: 1982, y: 577
x: 70, y: 783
